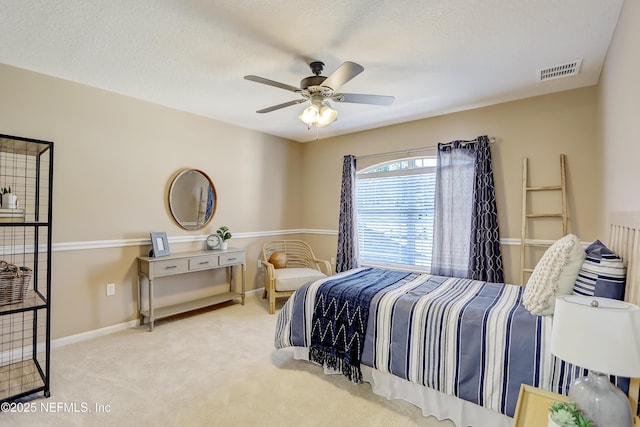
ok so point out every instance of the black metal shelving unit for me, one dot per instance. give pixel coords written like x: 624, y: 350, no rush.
x: 26, y: 165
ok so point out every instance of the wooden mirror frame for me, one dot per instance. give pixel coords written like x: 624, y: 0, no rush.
x: 183, y: 196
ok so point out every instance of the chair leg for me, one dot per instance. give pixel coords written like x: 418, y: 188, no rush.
x: 272, y: 303
x: 264, y: 293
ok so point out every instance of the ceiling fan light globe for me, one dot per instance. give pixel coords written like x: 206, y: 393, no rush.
x: 310, y: 115
x: 327, y: 116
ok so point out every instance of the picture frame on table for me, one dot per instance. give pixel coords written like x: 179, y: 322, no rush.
x: 159, y: 244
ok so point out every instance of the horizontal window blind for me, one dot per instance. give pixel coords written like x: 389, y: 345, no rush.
x: 395, y: 212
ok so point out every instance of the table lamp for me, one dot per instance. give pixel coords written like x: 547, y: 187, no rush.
x: 603, y: 336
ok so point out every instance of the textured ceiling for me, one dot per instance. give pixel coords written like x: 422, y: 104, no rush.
x: 434, y: 56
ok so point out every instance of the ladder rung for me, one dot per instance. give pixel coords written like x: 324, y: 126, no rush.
x: 540, y: 245
x: 544, y: 215
x: 548, y: 188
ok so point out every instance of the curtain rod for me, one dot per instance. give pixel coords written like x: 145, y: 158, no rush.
x: 492, y: 140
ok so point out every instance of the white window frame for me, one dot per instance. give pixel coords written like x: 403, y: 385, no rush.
x: 409, y: 244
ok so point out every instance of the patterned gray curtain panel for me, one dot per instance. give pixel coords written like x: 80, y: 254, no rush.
x: 347, y: 257
x: 485, y: 261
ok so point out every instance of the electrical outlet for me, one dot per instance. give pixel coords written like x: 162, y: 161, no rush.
x: 333, y: 260
x: 259, y: 264
x: 111, y: 289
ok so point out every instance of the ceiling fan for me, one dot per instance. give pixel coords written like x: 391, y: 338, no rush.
x: 319, y: 90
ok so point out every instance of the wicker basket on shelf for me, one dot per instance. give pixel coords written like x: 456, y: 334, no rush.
x: 14, y: 282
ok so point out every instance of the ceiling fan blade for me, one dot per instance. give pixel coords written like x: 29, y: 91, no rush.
x: 272, y: 83
x: 279, y: 106
x: 358, y: 98
x: 343, y: 74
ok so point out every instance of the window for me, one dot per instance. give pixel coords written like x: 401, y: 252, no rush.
x: 395, y: 212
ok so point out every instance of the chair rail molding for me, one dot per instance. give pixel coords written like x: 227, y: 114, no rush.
x: 145, y: 241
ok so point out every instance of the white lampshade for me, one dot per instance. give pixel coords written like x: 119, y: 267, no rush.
x: 602, y: 336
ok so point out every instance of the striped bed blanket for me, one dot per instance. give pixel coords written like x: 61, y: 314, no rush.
x: 466, y: 338
x: 462, y: 337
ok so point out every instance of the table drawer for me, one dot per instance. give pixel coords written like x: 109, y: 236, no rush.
x: 170, y: 266
x: 203, y: 262
x: 232, y: 258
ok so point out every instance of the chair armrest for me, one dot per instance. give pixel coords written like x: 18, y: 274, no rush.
x: 269, y: 271
x: 323, y: 263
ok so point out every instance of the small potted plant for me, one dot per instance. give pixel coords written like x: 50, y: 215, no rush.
x: 225, y: 235
x: 567, y: 414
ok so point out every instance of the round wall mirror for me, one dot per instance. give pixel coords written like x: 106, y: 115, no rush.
x: 192, y: 199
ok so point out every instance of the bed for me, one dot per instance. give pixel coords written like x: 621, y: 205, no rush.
x: 457, y: 348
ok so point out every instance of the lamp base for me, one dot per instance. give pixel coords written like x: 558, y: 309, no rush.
x: 600, y: 401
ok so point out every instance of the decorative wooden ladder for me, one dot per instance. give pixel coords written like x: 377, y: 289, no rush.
x: 526, y: 216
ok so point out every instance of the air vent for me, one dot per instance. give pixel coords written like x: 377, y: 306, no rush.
x: 563, y: 70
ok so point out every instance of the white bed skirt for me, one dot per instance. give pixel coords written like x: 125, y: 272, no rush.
x: 432, y: 402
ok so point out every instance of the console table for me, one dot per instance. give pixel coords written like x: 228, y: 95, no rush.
x: 150, y: 268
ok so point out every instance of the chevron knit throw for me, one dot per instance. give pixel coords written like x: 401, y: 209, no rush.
x: 340, y: 319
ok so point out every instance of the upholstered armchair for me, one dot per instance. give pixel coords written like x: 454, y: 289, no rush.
x: 288, y: 264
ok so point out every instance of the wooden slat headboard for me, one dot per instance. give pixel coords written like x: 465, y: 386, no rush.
x: 624, y: 240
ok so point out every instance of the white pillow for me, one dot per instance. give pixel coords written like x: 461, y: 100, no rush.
x: 554, y: 275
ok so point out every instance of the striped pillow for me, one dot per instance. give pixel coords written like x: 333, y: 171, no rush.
x: 602, y: 274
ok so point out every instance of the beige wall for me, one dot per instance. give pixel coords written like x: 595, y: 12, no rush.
x: 115, y: 156
x: 619, y: 115
x: 539, y: 128
x: 113, y: 161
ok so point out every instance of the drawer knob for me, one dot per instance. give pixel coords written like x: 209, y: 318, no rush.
x: 171, y: 266
x: 204, y: 262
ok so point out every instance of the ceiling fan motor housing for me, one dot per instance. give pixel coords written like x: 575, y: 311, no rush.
x: 310, y: 81
x: 313, y: 84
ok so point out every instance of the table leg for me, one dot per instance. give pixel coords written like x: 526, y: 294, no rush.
x: 244, y: 267
x: 151, y: 317
x: 140, y: 315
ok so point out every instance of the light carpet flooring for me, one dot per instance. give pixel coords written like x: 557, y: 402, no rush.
x: 217, y: 368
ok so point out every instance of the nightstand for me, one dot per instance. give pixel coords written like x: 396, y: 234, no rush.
x: 532, y: 409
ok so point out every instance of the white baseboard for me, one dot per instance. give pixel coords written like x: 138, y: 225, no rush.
x: 83, y: 336
x: 18, y: 353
